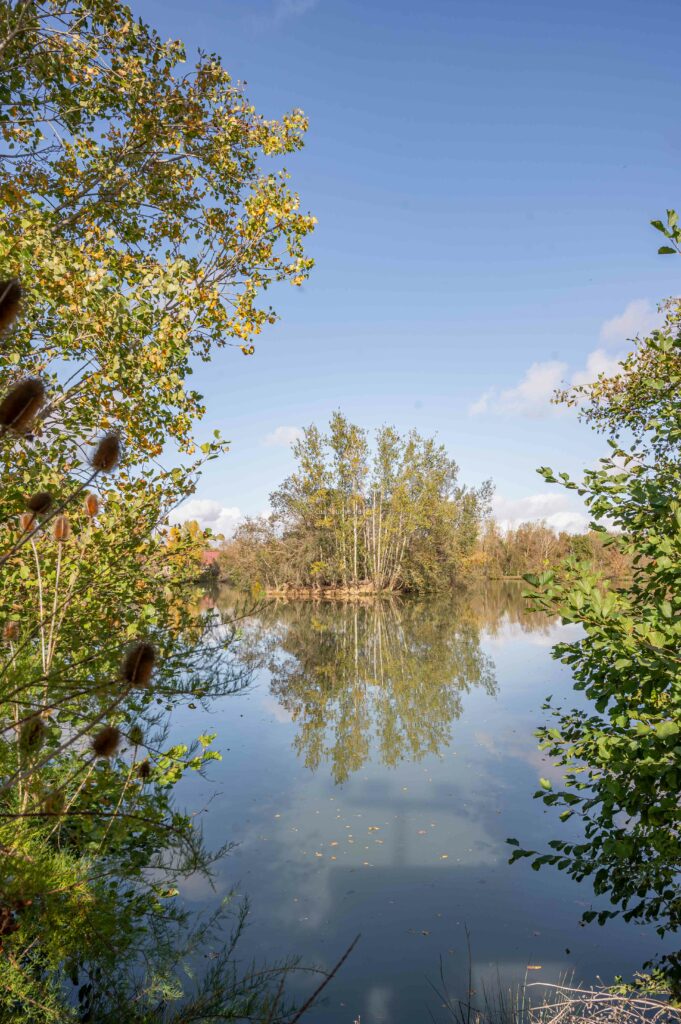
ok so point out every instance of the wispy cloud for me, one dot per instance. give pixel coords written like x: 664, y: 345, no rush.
x: 639, y: 317
x: 283, y: 436
x: 531, y: 397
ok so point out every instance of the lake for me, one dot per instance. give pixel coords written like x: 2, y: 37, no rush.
x: 370, y: 777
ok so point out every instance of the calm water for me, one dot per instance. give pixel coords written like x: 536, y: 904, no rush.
x: 370, y: 777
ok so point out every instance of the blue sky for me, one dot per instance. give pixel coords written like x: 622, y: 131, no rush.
x: 484, y: 174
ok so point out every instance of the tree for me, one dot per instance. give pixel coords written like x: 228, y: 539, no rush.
x: 139, y: 217
x: 390, y: 519
x: 140, y: 229
x: 621, y: 762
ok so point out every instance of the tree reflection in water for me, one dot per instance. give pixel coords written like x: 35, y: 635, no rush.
x: 381, y: 679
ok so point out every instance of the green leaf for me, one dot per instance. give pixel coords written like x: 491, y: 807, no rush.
x: 666, y: 729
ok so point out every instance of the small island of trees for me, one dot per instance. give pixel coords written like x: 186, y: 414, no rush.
x: 355, y: 518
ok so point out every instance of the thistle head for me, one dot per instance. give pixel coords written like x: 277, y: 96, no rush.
x: 105, y: 743
x: 107, y: 454
x: 144, y: 770
x: 21, y: 405
x: 138, y: 664
x: 10, y: 630
x: 92, y: 505
x: 61, y: 530
x: 136, y: 736
x: 32, y: 734
x: 39, y: 503
x: 10, y: 302
x: 54, y: 802
x: 26, y: 521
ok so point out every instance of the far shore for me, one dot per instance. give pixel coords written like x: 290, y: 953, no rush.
x: 363, y: 592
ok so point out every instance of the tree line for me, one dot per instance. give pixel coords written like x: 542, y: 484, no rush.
x: 388, y: 517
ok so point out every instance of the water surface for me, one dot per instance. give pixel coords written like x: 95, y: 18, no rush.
x: 370, y: 778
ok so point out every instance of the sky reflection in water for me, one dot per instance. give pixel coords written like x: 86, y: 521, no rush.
x: 371, y: 777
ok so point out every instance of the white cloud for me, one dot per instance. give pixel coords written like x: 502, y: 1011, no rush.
x: 531, y: 397
x: 283, y: 436
x: 597, y: 362
x: 639, y: 317
x: 208, y: 514
x: 557, y: 510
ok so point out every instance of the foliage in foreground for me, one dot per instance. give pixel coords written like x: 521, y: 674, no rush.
x: 139, y: 229
x: 620, y: 763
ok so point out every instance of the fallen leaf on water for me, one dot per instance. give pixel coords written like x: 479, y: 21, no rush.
x: 334, y: 843
x: 318, y: 854
x: 444, y: 856
x: 374, y: 828
x: 534, y: 967
x: 422, y: 832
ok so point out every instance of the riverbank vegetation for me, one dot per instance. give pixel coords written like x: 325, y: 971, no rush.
x: 139, y: 227
x: 619, y: 764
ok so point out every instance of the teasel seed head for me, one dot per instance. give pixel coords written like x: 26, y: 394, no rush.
x: 92, y: 505
x: 138, y: 664
x: 54, y: 802
x: 10, y: 302
x: 61, y: 530
x: 107, y: 454
x: 26, y: 521
x: 144, y: 770
x: 136, y: 736
x: 105, y: 743
x: 32, y: 734
x: 40, y: 503
x: 10, y: 630
x: 21, y: 404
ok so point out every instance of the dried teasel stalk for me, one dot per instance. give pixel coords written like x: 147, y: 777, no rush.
x: 40, y: 503
x: 107, y: 454
x: 144, y: 770
x: 61, y: 530
x: 10, y: 302
x: 105, y: 743
x: 92, y: 505
x: 21, y: 405
x: 138, y: 664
